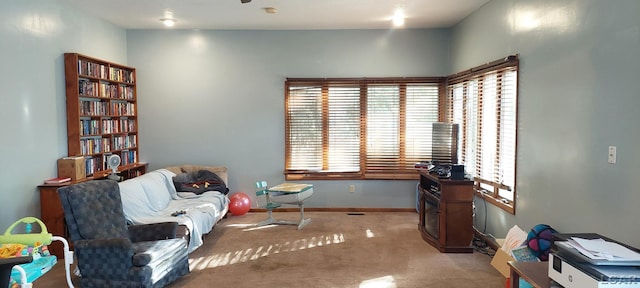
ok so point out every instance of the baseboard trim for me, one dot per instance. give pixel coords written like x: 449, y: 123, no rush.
x: 311, y: 209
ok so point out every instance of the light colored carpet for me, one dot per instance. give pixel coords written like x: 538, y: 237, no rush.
x: 377, y: 249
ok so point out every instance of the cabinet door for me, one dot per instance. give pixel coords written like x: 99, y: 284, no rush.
x: 432, y: 215
x: 459, y: 230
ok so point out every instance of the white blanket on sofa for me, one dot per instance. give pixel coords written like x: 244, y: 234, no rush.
x: 152, y: 198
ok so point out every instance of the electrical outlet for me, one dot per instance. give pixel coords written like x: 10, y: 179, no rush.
x: 352, y: 188
x: 612, y: 154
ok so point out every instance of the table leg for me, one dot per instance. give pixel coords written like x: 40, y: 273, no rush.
x: 515, y: 279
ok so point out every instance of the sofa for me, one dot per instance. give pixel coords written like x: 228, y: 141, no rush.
x: 153, y: 198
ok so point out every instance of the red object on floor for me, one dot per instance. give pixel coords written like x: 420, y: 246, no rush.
x: 508, y: 284
x: 239, y: 204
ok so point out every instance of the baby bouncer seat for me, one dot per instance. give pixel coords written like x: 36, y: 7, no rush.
x: 25, y: 257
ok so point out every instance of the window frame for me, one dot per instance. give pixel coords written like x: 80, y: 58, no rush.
x: 445, y: 114
x: 362, y: 174
x: 491, y: 194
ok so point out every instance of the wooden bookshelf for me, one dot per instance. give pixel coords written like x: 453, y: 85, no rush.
x: 102, y: 114
x: 102, y: 120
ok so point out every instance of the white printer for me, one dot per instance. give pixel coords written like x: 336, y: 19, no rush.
x: 572, y: 269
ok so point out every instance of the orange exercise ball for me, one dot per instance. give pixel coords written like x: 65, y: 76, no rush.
x: 240, y: 203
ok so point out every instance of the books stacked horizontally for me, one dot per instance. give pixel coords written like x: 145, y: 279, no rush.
x: 57, y: 180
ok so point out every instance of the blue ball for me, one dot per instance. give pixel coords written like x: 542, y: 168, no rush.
x: 539, y: 240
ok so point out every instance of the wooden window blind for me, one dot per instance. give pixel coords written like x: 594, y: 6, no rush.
x: 359, y: 128
x: 483, y: 101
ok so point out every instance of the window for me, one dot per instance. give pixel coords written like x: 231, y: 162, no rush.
x: 483, y: 101
x: 379, y: 128
x: 359, y: 128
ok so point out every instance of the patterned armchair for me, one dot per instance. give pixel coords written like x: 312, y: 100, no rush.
x: 110, y: 253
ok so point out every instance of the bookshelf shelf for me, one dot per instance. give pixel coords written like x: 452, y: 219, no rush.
x: 102, y: 114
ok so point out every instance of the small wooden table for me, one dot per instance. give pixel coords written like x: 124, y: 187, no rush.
x: 536, y: 273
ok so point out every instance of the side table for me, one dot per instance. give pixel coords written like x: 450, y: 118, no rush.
x: 536, y: 273
x: 52, y: 216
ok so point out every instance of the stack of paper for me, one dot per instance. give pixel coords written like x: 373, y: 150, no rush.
x: 600, y: 249
x: 515, y: 238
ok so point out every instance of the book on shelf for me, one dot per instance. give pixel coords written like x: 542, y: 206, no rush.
x: 57, y: 180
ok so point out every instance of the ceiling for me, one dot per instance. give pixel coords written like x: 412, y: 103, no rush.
x: 290, y: 15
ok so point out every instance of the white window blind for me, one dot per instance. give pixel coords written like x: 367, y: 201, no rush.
x: 343, y: 129
x: 484, y: 104
x: 304, y: 114
x: 363, y: 128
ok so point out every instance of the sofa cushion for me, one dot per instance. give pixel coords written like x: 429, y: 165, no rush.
x: 149, y: 252
x: 134, y: 201
x: 154, y: 185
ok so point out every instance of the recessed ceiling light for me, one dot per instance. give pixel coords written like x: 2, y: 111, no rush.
x: 398, y: 18
x: 169, y: 22
x: 168, y: 19
x: 270, y: 10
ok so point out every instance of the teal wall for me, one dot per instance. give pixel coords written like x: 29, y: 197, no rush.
x: 34, y: 34
x: 217, y: 97
x: 578, y: 94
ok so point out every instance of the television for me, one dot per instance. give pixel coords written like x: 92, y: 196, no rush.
x: 444, y: 144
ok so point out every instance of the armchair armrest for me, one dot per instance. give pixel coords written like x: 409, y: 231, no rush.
x: 153, y: 232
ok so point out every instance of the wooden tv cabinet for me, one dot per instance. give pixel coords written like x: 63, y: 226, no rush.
x: 446, y: 213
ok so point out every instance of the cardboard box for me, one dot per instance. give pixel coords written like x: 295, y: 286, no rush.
x: 72, y: 167
x: 500, y: 260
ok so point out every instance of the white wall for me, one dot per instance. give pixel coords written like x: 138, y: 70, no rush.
x: 578, y: 94
x: 33, y: 36
x: 217, y: 97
